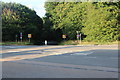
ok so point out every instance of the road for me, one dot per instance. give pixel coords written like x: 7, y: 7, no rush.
x: 60, y: 61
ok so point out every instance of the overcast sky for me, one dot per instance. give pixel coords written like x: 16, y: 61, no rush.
x: 37, y: 5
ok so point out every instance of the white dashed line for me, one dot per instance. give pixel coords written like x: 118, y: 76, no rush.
x: 82, y: 53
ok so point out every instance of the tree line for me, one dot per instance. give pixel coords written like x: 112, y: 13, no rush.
x: 96, y: 21
x: 17, y: 19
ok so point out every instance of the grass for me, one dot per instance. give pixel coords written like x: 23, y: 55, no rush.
x: 15, y: 43
x: 75, y: 42
x: 69, y: 42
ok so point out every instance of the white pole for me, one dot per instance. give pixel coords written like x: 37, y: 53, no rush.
x: 45, y: 42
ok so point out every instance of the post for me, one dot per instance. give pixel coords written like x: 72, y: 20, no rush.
x: 64, y: 36
x: 21, y: 36
x: 80, y: 38
x: 45, y: 42
x: 29, y: 40
x: 16, y: 36
x: 29, y: 36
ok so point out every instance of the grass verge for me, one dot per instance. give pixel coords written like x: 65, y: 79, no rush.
x: 15, y: 43
x: 75, y: 42
x: 69, y: 42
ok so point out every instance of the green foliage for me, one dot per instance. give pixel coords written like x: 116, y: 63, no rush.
x: 18, y: 18
x: 69, y: 42
x: 48, y: 32
x: 16, y: 43
x: 101, y: 23
x: 64, y: 19
x: 97, y: 21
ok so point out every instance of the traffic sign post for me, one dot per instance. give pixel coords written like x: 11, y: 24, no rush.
x: 64, y: 36
x: 29, y: 36
x: 79, y: 36
x: 16, y: 36
x: 21, y: 36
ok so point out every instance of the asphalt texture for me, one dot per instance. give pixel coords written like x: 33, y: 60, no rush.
x: 96, y: 63
x: 103, y: 58
x: 16, y: 47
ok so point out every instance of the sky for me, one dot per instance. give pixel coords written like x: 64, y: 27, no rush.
x: 37, y: 5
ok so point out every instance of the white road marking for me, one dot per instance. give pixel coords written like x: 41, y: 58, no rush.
x: 13, y: 51
x: 91, y: 57
x: 82, y: 53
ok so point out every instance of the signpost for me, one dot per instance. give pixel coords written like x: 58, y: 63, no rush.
x: 29, y: 36
x: 78, y: 36
x: 16, y: 36
x: 64, y: 36
x: 21, y: 36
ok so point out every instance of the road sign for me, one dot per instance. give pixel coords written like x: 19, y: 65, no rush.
x: 64, y: 36
x: 78, y: 35
x: 29, y: 35
x: 21, y: 35
x: 16, y: 35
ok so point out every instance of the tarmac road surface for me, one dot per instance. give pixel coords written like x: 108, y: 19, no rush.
x: 60, y: 61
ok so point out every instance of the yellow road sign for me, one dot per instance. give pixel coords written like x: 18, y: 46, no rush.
x: 64, y: 36
x: 29, y: 35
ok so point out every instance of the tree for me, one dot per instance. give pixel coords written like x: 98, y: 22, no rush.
x: 9, y: 23
x: 49, y: 33
x: 100, y: 23
x: 97, y: 21
x: 64, y: 16
x: 18, y: 18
